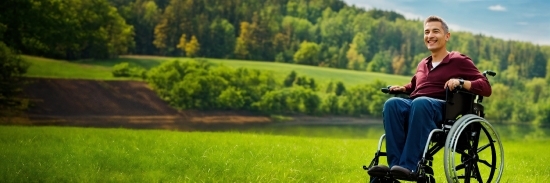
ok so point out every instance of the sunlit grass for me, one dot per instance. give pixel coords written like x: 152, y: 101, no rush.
x: 66, y: 154
x: 50, y: 68
x: 101, y: 69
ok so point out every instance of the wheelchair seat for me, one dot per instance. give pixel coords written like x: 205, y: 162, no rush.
x: 473, y: 151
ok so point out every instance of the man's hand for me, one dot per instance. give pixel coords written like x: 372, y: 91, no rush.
x: 452, y: 84
x: 397, y: 88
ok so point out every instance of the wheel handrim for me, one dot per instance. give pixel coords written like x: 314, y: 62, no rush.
x: 470, y: 160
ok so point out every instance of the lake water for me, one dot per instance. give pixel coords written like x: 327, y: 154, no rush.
x: 369, y: 131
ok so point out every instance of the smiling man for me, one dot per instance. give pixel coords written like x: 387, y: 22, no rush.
x: 409, y: 121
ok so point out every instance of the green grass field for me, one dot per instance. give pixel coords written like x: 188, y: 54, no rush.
x: 50, y: 68
x: 66, y: 154
x: 101, y: 69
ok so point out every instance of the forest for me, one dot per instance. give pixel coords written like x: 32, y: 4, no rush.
x: 324, y: 33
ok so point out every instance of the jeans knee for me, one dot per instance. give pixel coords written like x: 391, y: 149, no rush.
x: 420, y: 101
x: 392, y: 102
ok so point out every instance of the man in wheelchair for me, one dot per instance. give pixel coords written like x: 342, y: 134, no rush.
x: 409, y: 121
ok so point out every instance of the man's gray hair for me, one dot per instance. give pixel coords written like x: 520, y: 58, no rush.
x: 434, y: 18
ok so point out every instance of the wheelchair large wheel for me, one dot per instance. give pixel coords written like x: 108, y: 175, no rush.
x: 473, y: 151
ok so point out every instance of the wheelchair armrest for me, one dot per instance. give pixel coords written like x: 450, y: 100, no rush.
x: 395, y: 93
x: 449, y: 93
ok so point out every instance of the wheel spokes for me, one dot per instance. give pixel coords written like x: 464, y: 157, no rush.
x: 478, y: 174
x: 484, y: 147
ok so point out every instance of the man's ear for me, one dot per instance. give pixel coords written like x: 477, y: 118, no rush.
x: 447, y: 36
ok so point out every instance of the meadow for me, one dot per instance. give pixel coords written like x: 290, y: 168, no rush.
x: 67, y: 154
x: 101, y: 69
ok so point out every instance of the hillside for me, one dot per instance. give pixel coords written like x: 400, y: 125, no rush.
x: 129, y: 104
x: 101, y: 69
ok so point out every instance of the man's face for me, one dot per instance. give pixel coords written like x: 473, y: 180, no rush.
x: 435, y: 37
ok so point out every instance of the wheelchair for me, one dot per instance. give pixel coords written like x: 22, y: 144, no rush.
x: 472, y: 148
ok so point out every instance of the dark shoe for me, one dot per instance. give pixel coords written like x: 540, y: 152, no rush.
x: 401, y: 173
x: 378, y: 170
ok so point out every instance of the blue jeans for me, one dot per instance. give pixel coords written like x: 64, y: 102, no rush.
x: 408, y: 123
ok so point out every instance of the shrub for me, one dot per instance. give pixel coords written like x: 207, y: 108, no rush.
x: 124, y: 69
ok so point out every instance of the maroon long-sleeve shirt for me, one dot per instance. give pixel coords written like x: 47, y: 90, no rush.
x: 430, y: 83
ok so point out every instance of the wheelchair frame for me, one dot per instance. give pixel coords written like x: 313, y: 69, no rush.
x: 459, y: 132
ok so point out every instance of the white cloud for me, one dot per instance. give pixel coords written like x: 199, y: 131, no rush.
x: 387, y: 5
x: 497, y: 7
x: 456, y: 27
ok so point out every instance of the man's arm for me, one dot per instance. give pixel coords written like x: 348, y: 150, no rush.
x: 408, y: 88
x: 474, y: 81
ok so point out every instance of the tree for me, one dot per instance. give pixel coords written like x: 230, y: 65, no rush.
x: 231, y: 98
x: 222, y: 38
x: 243, y: 41
x: 381, y: 62
x: 12, y: 68
x: 330, y: 87
x: 192, y: 48
x: 398, y: 64
x: 161, y: 37
x: 289, y: 80
x: 356, y: 59
x: 307, y: 54
x: 176, y: 19
x: 312, y: 84
x: 330, y: 104
x: 66, y: 29
x: 340, y: 88
x: 183, y: 43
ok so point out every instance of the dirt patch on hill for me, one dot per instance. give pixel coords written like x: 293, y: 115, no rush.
x: 129, y: 104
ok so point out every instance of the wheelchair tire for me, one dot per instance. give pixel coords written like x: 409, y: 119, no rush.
x: 473, y: 151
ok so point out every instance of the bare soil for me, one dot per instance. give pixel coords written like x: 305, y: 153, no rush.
x: 131, y: 104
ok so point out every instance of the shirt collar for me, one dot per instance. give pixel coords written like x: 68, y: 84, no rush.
x: 445, y: 60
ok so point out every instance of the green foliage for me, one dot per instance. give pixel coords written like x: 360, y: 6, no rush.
x: 12, y: 68
x: 290, y: 101
x: 289, y: 80
x: 544, y: 114
x: 222, y: 39
x: 364, y: 100
x: 380, y: 63
x: 330, y: 104
x: 125, y: 69
x: 192, y: 47
x: 329, y: 33
x: 340, y: 88
x: 72, y: 29
x: 330, y: 87
x: 164, y: 77
x: 198, y: 85
x: 294, y: 80
x: 231, y: 98
x: 307, y: 54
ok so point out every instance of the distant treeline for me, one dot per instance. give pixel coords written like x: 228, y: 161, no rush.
x: 326, y: 33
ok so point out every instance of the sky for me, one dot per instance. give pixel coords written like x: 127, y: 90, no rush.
x: 520, y: 20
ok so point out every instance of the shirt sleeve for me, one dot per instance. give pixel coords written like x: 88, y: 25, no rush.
x: 480, y: 83
x: 409, y: 88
